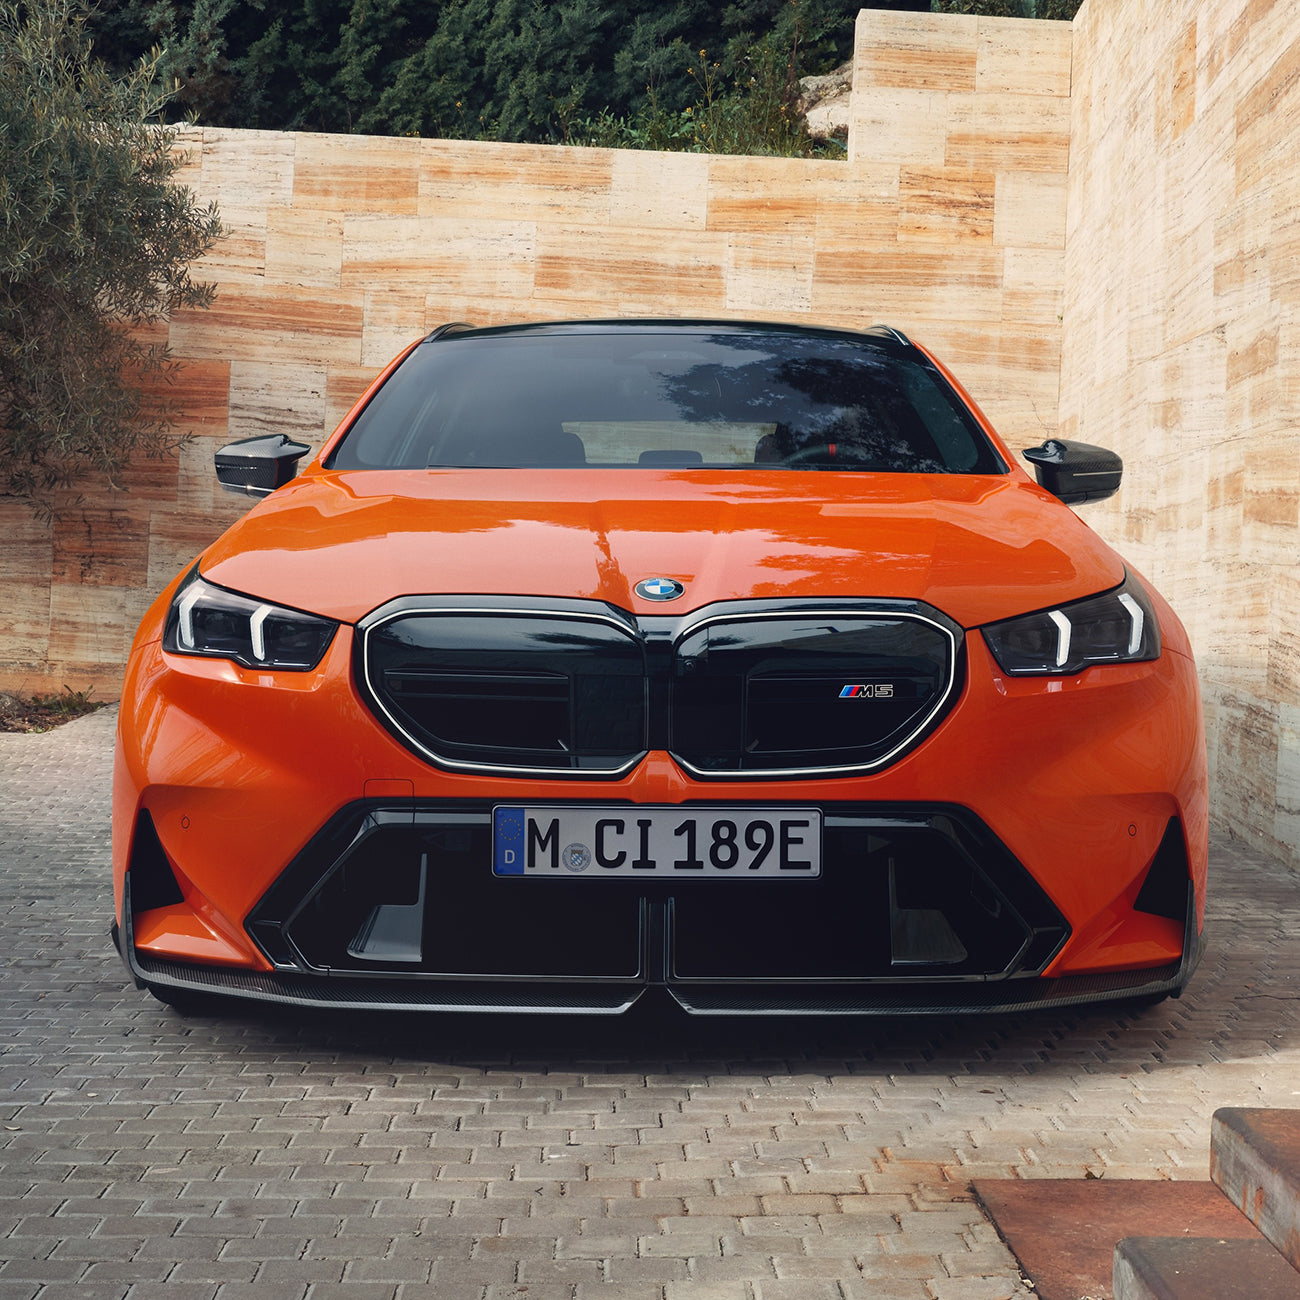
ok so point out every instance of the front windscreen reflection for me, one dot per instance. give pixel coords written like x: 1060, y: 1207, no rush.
x: 677, y: 399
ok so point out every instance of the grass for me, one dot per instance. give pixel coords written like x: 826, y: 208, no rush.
x: 44, y: 712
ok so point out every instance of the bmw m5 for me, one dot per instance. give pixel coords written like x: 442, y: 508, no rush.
x: 740, y: 664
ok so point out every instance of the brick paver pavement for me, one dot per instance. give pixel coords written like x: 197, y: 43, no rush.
x: 285, y: 1156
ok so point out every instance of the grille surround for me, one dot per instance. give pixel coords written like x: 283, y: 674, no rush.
x: 665, y: 644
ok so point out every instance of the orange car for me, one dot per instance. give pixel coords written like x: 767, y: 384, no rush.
x: 738, y: 662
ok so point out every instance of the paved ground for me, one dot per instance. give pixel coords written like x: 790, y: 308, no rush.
x: 143, y: 1154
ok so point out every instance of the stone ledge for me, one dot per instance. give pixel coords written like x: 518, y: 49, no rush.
x: 1255, y: 1160
x: 1201, y: 1268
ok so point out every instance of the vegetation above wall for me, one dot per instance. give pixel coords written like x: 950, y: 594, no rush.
x: 569, y: 71
x: 632, y: 73
x: 1063, y: 10
x: 95, y: 243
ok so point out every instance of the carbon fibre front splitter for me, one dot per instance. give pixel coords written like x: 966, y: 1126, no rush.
x: 171, y: 979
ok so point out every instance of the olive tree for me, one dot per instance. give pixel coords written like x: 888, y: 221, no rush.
x: 96, y: 242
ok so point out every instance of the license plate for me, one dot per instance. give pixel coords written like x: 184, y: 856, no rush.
x: 558, y: 842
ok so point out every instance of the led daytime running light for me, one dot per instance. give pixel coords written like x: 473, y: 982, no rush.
x: 1138, y: 617
x: 1062, y: 637
x: 257, y: 633
x: 185, y: 614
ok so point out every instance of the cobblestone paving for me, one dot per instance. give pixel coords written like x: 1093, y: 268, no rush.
x: 287, y: 1156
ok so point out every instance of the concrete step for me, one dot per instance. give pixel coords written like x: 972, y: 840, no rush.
x: 1063, y: 1230
x: 1201, y: 1268
x: 1255, y: 1160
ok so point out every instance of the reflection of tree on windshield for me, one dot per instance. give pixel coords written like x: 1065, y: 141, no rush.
x: 666, y: 397
x: 856, y: 440
x: 849, y: 410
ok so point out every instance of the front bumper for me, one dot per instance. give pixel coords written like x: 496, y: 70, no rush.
x: 919, y: 910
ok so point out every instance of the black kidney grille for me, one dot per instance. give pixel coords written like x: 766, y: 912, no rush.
x: 536, y: 692
x: 486, y: 711
x: 797, y: 715
x: 808, y: 692
x: 760, y: 695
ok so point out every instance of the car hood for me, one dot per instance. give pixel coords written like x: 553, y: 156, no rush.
x: 979, y: 548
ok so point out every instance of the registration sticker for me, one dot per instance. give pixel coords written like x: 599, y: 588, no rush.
x: 595, y: 842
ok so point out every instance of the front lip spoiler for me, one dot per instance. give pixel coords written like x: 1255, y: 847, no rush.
x: 352, y: 993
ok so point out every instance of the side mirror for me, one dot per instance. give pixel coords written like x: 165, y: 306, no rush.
x: 1075, y: 471
x: 257, y: 466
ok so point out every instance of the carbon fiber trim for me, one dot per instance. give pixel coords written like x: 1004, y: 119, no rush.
x: 338, y: 993
x: 932, y: 999
x: 877, y: 999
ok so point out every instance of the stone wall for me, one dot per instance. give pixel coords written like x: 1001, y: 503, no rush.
x: 1182, y: 351
x: 343, y: 248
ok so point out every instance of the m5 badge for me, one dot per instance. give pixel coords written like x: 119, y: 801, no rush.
x: 868, y: 691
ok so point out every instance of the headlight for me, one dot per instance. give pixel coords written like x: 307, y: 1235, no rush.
x: 208, y: 620
x: 1118, y: 627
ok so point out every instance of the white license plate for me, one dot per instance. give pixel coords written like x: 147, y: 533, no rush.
x: 559, y: 842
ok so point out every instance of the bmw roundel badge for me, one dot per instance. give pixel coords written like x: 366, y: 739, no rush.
x: 659, y: 589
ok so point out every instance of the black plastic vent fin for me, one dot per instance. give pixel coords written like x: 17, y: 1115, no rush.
x: 1164, y: 891
x: 152, y: 882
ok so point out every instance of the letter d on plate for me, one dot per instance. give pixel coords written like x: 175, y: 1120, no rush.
x: 508, y: 842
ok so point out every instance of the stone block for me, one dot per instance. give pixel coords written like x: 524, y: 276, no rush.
x: 1201, y: 1268
x: 1255, y: 1159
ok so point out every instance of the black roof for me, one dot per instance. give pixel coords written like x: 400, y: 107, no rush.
x: 669, y: 325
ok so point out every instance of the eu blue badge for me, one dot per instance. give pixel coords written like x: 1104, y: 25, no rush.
x: 508, y: 842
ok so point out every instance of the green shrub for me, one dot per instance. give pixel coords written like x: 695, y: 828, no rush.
x: 95, y: 244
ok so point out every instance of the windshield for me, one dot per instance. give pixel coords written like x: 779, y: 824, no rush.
x: 683, y: 398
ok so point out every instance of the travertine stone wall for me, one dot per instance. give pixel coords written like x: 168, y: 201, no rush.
x: 966, y: 121
x: 1182, y: 351
x: 948, y: 221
